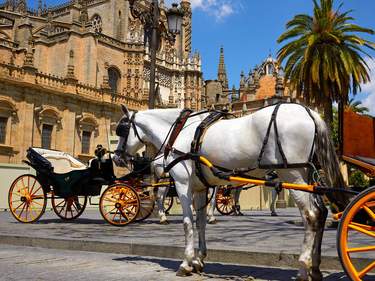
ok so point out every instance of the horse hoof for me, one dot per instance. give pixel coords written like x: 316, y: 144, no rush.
x: 214, y: 221
x: 197, y: 267
x: 164, y: 222
x: 182, y: 272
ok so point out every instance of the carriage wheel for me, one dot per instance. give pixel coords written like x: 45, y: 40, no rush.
x: 147, y: 206
x: 357, y: 227
x: 68, y: 208
x: 27, y: 199
x: 224, y: 201
x: 168, y: 203
x: 119, y: 204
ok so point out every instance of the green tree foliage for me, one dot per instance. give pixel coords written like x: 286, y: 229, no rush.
x: 356, y: 107
x: 323, y: 55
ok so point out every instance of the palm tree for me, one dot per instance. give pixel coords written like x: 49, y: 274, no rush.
x: 355, y: 106
x: 324, y: 56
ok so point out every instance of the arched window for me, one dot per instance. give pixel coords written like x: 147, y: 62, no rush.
x: 97, y: 23
x: 88, y: 128
x: 114, y: 78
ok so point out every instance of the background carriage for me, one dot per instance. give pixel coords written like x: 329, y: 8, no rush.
x: 70, y: 185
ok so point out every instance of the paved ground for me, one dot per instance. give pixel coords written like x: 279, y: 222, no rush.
x: 257, y: 230
x: 255, y: 239
x: 30, y: 263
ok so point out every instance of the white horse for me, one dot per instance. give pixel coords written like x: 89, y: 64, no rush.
x: 236, y: 143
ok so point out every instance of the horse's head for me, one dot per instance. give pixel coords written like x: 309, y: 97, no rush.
x: 131, y: 138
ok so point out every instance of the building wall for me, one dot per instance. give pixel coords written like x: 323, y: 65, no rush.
x: 54, y: 70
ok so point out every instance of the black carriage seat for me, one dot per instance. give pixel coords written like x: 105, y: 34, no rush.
x: 68, y: 176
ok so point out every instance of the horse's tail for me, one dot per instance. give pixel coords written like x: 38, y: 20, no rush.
x: 326, y: 155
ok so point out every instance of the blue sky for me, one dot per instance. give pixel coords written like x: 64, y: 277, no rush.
x: 248, y: 30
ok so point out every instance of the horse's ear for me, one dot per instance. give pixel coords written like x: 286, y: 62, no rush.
x: 125, y: 110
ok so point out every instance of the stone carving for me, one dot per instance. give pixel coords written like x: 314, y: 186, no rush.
x: 135, y: 34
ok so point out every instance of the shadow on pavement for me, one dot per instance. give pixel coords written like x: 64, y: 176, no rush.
x: 232, y: 272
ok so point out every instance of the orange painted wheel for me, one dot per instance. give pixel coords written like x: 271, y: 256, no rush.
x: 68, y: 208
x: 27, y: 199
x: 119, y: 204
x: 355, y: 237
x: 224, y: 201
x: 147, y: 206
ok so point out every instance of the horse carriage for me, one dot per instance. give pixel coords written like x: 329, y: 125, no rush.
x: 70, y: 184
x: 288, y: 147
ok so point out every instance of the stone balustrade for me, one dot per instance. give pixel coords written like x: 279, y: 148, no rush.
x: 49, y: 80
x: 63, y: 85
x: 11, y: 71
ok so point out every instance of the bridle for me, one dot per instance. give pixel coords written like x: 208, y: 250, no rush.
x: 123, y: 130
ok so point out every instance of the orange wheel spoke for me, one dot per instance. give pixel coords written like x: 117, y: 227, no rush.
x: 36, y: 191
x: 23, y: 209
x: 362, y: 230
x: 113, y: 218
x: 361, y: 249
x: 369, y: 212
x: 370, y: 204
x: 109, y: 200
x: 35, y: 202
x: 367, y: 269
x: 110, y: 211
x: 364, y: 226
x: 31, y: 190
x: 19, y: 206
x: 126, y: 215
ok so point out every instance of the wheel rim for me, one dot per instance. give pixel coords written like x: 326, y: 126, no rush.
x: 119, y: 205
x: 27, y: 200
x: 146, y: 207
x: 224, y: 203
x: 354, y: 236
x: 69, y: 208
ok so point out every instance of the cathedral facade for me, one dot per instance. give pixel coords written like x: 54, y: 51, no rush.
x: 65, y: 71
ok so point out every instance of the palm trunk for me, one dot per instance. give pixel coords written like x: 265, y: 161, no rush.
x: 328, y: 114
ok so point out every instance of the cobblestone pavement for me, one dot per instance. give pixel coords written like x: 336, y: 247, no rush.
x: 38, y: 264
x: 257, y: 231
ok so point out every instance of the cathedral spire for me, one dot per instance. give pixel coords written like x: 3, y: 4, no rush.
x: 222, y: 73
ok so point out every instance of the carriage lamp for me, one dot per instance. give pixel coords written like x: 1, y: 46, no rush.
x: 153, y: 30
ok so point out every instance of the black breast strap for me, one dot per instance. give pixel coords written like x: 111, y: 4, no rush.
x: 266, y: 138
x: 196, y: 144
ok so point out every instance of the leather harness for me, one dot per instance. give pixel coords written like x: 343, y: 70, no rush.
x: 220, y: 171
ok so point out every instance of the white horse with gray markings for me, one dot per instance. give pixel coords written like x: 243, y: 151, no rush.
x: 235, y: 144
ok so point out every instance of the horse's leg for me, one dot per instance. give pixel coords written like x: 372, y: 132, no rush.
x: 273, y: 202
x: 161, y: 193
x: 314, y: 215
x: 185, y: 197
x: 212, y: 206
x: 201, y: 216
x: 236, y: 196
